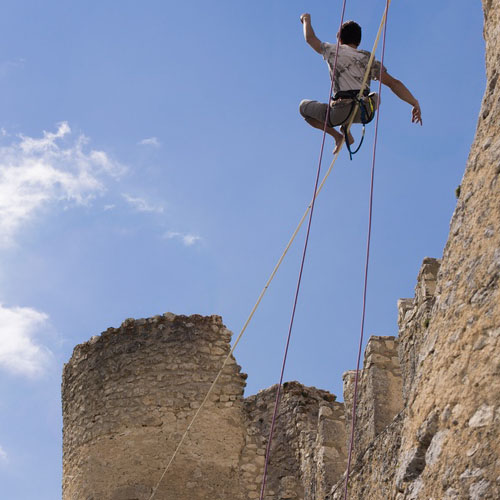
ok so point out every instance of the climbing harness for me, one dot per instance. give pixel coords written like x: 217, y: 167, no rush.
x: 367, y: 107
x: 307, y: 212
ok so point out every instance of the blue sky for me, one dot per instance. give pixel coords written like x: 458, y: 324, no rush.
x: 152, y: 159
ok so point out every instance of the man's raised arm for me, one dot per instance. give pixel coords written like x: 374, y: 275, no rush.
x: 309, y: 34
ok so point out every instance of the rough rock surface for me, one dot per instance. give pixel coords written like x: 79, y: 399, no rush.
x: 446, y: 442
x: 379, y: 392
x: 457, y: 385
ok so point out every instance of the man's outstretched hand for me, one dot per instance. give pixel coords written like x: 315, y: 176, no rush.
x: 305, y: 17
x: 416, y: 114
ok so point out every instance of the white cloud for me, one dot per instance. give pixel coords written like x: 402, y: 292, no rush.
x: 3, y: 455
x: 187, y: 239
x: 20, y: 353
x: 35, y: 172
x: 150, y: 141
x: 142, y: 205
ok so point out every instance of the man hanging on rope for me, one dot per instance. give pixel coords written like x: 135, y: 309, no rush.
x: 350, y: 67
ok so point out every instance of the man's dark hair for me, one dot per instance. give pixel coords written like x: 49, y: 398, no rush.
x: 350, y: 33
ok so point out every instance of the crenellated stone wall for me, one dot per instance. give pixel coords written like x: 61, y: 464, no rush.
x: 390, y: 369
x: 308, y: 450
x: 414, y: 316
x: 129, y: 394
x: 379, y: 392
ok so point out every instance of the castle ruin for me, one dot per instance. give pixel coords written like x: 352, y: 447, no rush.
x: 429, y: 400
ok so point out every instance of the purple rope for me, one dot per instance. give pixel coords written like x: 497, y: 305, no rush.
x: 353, y: 421
x: 278, y: 390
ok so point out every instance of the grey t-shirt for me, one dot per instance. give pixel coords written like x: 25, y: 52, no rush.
x: 351, y: 66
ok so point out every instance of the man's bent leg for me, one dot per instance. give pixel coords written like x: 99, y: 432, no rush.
x: 314, y: 113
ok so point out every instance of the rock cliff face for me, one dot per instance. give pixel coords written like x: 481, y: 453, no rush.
x: 453, y: 403
x: 445, y: 444
x: 428, y: 423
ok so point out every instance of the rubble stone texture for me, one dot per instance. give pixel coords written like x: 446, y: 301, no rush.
x: 454, y: 400
x: 128, y: 396
x: 308, y: 451
x: 428, y: 411
x: 379, y: 392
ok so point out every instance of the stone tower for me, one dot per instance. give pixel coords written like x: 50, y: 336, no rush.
x: 129, y: 394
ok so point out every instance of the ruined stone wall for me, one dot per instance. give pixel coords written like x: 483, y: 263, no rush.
x: 373, y: 472
x: 389, y: 371
x: 130, y: 393
x: 308, y: 451
x: 414, y: 317
x: 379, y: 392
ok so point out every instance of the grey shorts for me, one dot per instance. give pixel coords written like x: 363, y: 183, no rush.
x: 339, y: 112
